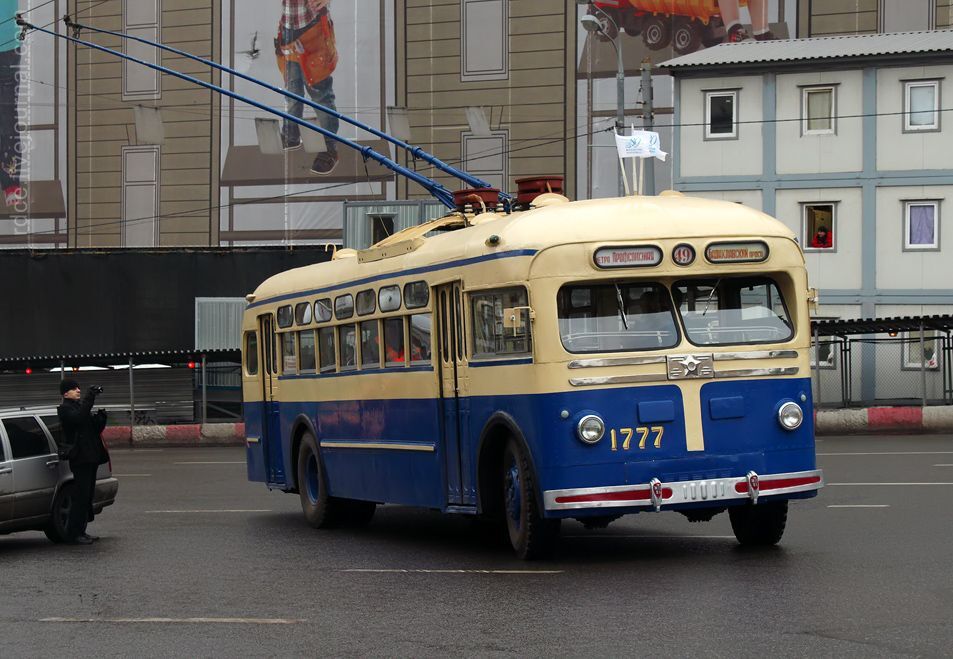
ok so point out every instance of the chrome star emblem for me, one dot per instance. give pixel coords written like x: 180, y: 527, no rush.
x: 690, y: 363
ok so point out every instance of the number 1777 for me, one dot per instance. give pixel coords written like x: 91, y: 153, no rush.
x: 626, y: 434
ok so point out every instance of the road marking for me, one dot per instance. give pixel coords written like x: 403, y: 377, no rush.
x: 895, y: 453
x: 651, y: 537
x: 209, y: 463
x: 181, y: 512
x: 131, y: 475
x: 944, y: 465
x: 186, y: 621
x: 446, y: 571
x: 911, y: 484
x: 861, y: 505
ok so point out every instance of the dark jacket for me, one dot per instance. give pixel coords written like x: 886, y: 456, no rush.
x: 81, y: 430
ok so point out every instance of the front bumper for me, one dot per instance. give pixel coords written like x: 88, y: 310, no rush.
x: 659, y: 495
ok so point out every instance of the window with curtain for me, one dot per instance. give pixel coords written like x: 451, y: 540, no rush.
x: 818, y: 110
x: 921, y: 105
x: 921, y: 230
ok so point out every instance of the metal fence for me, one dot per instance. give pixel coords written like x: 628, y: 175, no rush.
x: 912, y: 367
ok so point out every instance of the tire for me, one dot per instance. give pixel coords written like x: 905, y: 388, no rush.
x: 531, y: 535
x: 761, y: 525
x: 57, y: 529
x: 656, y: 33
x: 320, y: 510
x: 687, y: 36
x: 609, y: 28
x: 632, y: 23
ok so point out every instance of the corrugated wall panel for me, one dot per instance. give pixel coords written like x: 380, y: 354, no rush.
x: 218, y: 323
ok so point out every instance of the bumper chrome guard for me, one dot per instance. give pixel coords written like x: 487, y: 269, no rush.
x: 656, y: 494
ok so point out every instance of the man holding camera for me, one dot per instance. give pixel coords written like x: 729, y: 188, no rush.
x: 85, y: 450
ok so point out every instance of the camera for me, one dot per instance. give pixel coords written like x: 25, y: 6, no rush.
x: 96, y: 389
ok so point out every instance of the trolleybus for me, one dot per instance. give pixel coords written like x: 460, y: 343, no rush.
x: 586, y: 359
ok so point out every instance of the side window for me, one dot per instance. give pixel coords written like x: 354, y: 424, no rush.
x: 306, y: 349
x: 370, y: 345
x: 921, y: 225
x: 26, y: 437
x: 721, y: 115
x: 251, y: 353
x: 420, y: 338
x: 416, y: 295
x: 818, y: 110
x: 921, y: 105
x: 389, y: 298
x: 288, y: 363
x: 326, y: 349
x: 366, y: 303
x: 322, y: 310
x: 500, y: 323
x: 55, y: 426
x: 303, y: 313
x: 394, y: 342
x: 285, y: 316
x: 346, y: 339
x: 344, y: 306
x: 820, y: 230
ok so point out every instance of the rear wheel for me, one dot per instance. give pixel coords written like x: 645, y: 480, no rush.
x: 57, y: 529
x: 320, y: 510
x: 687, y: 36
x: 656, y: 33
x: 610, y: 29
x: 531, y: 535
x: 761, y: 525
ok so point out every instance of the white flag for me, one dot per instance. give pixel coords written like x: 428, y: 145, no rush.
x: 640, y: 144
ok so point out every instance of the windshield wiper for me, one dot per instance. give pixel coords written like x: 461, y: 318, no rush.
x: 621, y: 303
x: 711, y: 295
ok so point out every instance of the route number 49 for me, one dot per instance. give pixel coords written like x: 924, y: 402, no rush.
x: 626, y: 434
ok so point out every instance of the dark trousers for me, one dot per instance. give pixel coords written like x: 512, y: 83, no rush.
x: 9, y: 135
x: 81, y: 510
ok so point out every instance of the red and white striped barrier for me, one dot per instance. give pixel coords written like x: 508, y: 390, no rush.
x: 937, y: 419
x: 209, y: 434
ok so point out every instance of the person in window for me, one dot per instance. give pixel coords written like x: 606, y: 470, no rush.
x: 822, y: 238
x: 85, y: 450
x: 307, y: 56
x: 393, y: 349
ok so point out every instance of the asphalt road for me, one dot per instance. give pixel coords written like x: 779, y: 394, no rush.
x: 195, y: 561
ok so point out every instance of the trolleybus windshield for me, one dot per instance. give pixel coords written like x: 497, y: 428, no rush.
x: 733, y: 310
x: 616, y: 316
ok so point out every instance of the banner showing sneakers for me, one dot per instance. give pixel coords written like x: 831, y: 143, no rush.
x: 736, y: 33
x: 325, y: 162
x: 13, y: 195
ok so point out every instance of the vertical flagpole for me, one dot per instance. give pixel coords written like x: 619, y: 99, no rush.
x: 641, y: 175
x: 625, y: 179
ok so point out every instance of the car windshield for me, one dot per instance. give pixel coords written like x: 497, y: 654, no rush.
x: 723, y: 311
x: 616, y: 316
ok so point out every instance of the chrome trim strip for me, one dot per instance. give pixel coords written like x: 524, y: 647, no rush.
x: 757, y: 354
x: 618, y: 379
x: 426, y: 448
x: 615, y: 361
x: 251, y: 440
x: 756, y: 372
x: 715, y: 489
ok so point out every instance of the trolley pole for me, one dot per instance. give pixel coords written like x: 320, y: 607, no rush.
x: 648, y: 123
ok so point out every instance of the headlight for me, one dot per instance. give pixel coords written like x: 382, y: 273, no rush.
x: 590, y: 429
x: 790, y: 416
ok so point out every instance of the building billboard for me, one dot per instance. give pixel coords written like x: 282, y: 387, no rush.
x: 281, y: 181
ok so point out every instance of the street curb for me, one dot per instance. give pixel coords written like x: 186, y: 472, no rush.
x: 210, y: 434
x: 912, y: 420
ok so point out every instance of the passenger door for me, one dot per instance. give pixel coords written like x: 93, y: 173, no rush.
x: 35, y: 466
x: 270, y: 422
x: 6, y: 481
x: 454, y: 390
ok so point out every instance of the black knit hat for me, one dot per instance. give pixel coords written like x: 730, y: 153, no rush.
x: 68, y: 385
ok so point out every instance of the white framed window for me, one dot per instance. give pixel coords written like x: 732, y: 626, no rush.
x: 915, y: 352
x: 721, y: 115
x: 141, y: 18
x: 921, y: 225
x: 921, y: 105
x: 140, y: 196
x: 485, y: 156
x: 818, y: 110
x: 484, y: 40
x: 819, y: 226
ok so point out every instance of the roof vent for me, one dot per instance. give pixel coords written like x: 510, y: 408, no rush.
x: 479, y: 200
x: 533, y: 186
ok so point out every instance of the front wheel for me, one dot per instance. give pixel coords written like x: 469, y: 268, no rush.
x: 531, y: 535
x: 320, y: 510
x: 761, y: 525
x: 57, y: 529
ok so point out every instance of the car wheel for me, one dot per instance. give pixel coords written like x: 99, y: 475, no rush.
x: 761, y: 525
x: 531, y: 535
x: 320, y: 510
x: 57, y: 529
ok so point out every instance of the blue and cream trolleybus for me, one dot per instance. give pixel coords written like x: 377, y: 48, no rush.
x: 555, y: 359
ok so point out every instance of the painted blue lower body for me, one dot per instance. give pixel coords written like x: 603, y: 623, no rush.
x: 740, y: 429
